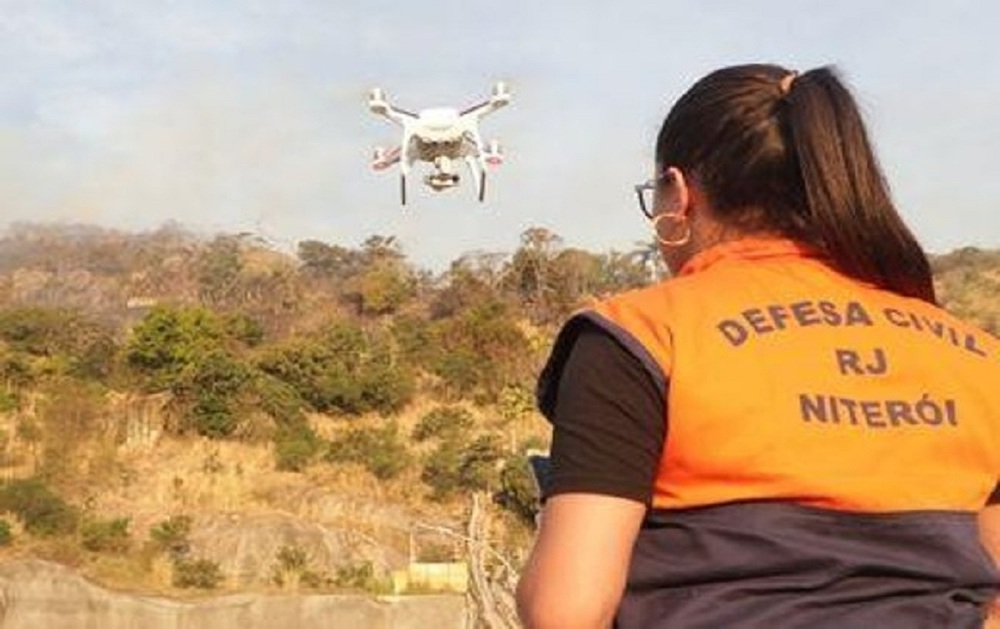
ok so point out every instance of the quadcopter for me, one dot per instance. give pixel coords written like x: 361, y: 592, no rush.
x: 442, y: 137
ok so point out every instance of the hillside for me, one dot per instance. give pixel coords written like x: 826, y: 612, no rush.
x: 182, y: 414
x: 968, y: 284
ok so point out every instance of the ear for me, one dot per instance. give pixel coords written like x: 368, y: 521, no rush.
x: 677, y: 192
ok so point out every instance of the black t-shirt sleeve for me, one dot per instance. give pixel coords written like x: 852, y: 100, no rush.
x: 609, y: 421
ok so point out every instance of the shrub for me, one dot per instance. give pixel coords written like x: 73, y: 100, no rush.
x: 279, y: 400
x: 42, y: 511
x: 461, y: 370
x: 9, y: 401
x: 455, y: 465
x: 342, y: 369
x: 477, y: 470
x: 380, y: 450
x: 292, y: 558
x: 440, y: 471
x: 109, y: 536
x: 293, y: 567
x: 386, y: 387
x: 442, y: 423
x: 480, y: 351
x: 415, y: 340
x: 295, y: 448
x: 360, y: 576
x: 517, y: 493
x: 197, y: 573
x: 75, y: 344
x: 15, y: 370
x: 244, y: 329
x: 381, y: 289
x: 171, y: 535
x: 6, y: 536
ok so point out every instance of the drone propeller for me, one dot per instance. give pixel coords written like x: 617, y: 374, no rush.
x: 499, y: 97
x: 382, y: 158
x: 500, y: 93
x: 378, y: 103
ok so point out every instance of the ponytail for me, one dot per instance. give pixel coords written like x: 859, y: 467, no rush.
x: 846, y: 194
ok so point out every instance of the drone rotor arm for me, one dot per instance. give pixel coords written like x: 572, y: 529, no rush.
x: 498, y: 99
x: 482, y: 109
x: 379, y: 105
x: 397, y: 115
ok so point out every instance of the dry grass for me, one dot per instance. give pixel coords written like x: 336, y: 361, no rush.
x: 201, y: 478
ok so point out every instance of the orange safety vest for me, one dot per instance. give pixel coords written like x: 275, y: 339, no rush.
x: 828, y: 446
x: 789, y: 381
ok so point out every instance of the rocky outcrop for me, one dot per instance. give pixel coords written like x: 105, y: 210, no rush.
x: 42, y: 595
x: 246, y: 546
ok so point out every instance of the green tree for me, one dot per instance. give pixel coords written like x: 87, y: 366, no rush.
x: 66, y: 341
x: 332, y: 262
x: 480, y: 352
x: 529, y: 272
x: 168, y: 340
x: 219, y: 267
x: 212, y: 385
x: 342, y: 369
x: 200, y: 357
x: 472, y: 279
x: 382, y: 288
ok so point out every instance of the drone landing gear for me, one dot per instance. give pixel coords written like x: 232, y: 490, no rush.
x: 402, y: 189
x: 482, y: 186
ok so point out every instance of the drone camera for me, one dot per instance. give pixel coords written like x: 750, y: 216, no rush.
x: 441, y: 181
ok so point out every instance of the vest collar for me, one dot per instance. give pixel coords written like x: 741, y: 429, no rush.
x: 748, y: 249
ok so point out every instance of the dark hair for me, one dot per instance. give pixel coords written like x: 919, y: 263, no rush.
x: 791, y: 155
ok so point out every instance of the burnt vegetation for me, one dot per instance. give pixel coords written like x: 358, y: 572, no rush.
x: 318, y: 354
x: 250, y: 343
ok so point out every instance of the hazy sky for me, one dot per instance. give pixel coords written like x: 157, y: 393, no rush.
x: 231, y: 116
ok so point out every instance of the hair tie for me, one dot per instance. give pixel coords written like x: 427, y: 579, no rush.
x: 785, y: 85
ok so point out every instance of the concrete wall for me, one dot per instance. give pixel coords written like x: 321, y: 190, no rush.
x: 42, y: 595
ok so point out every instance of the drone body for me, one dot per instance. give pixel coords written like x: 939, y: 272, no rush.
x: 442, y: 137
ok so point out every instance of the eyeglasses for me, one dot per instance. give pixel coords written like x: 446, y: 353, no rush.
x: 646, y: 191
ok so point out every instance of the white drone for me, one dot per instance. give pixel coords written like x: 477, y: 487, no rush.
x: 440, y: 136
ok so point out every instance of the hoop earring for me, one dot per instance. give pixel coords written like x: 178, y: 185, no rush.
x: 672, y: 242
